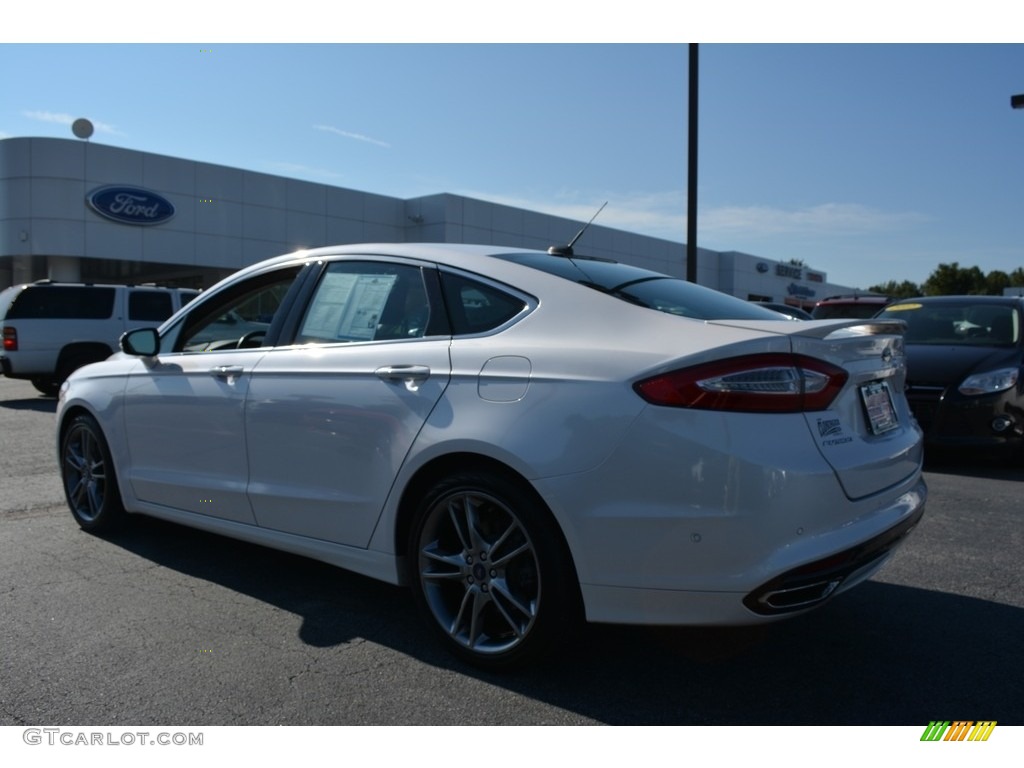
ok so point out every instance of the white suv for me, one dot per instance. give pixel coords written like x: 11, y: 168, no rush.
x: 50, y: 329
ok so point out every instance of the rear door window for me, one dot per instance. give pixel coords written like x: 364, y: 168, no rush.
x: 63, y: 302
x: 366, y: 301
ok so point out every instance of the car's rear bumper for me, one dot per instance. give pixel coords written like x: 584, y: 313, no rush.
x: 735, y: 537
x: 666, y: 607
x: 28, y: 367
x: 795, y: 590
x: 811, y: 584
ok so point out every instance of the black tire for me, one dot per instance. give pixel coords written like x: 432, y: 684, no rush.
x: 48, y: 387
x: 490, y: 570
x: 72, y: 359
x: 87, y: 473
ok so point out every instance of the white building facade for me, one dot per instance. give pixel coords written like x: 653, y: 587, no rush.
x: 77, y: 211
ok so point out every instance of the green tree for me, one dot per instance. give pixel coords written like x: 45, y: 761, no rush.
x: 903, y: 290
x: 995, y: 281
x: 954, y: 280
x: 1017, y: 276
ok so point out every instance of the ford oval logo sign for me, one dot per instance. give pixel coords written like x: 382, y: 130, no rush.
x: 130, y: 205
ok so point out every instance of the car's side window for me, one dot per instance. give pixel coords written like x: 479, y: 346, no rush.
x: 477, y: 307
x: 149, y: 306
x: 366, y: 301
x: 238, y: 318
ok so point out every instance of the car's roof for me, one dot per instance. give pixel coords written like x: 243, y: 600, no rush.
x: 440, y: 252
x: 473, y: 257
x: 460, y: 255
x: 496, y: 262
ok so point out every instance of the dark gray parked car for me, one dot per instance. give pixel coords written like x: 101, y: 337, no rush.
x: 964, y: 368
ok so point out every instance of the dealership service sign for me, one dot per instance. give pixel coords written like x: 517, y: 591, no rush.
x: 130, y: 205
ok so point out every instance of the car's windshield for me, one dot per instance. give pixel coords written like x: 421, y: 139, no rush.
x: 646, y: 288
x: 964, y: 323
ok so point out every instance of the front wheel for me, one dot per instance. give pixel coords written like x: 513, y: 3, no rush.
x: 491, y: 571
x: 88, y: 476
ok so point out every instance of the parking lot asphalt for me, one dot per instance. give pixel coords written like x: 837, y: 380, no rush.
x: 162, y: 624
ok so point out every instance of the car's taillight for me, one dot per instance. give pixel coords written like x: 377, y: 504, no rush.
x: 768, y: 383
x: 10, y: 339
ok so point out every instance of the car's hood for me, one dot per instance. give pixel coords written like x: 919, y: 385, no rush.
x: 949, y: 364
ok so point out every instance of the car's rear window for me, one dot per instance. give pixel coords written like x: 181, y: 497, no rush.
x: 62, y: 302
x: 645, y: 288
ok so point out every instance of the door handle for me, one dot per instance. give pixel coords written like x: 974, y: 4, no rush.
x: 410, y: 375
x: 229, y: 373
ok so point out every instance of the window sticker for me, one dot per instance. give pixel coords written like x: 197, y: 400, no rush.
x: 348, y: 307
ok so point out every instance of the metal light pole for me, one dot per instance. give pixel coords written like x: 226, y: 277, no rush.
x: 691, y: 170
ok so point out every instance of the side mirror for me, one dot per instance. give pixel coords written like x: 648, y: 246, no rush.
x: 142, y: 342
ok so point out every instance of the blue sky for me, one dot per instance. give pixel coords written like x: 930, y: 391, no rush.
x: 869, y: 162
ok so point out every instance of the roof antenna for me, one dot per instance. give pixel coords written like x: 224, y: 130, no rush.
x: 566, y: 250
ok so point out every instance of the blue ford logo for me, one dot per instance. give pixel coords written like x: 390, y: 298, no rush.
x: 130, y: 205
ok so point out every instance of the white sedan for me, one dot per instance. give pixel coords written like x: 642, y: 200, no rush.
x: 526, y: 438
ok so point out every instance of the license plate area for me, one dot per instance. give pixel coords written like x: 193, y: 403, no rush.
x: 877, y: 399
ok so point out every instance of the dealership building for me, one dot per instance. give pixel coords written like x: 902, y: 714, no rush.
x: 72, y: 210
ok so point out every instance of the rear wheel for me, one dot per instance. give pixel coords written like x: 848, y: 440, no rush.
x: 72, y: 358
x: 48, y: 387
x: 491, y: 571
x: 87, y: 471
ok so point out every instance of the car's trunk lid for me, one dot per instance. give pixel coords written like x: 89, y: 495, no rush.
x: 867, y: 434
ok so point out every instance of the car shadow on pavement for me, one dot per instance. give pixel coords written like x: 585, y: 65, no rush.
x: 881, y: 654
x: 42, y: 404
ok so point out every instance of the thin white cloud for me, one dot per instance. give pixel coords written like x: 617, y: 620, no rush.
x: 664, y: 215
x: 350, y: 135
x: 63, y: 118
x: 825, y: 219
x: 48, y: 117
x: 655, y: 214
x: 297, y: 169
x: 731, y: 227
